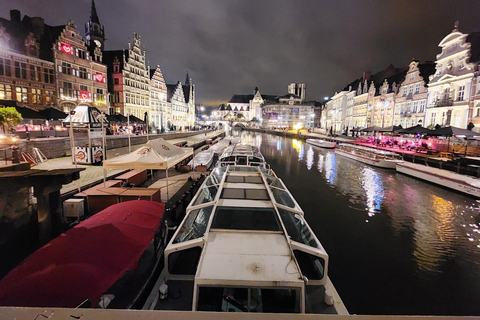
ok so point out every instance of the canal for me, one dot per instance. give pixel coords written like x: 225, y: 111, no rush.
x: 397, y: 245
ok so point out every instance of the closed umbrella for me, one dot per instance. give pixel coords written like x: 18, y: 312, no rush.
x: 418, y: 129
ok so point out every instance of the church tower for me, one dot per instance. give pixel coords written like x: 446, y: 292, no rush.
x: 94, y: 31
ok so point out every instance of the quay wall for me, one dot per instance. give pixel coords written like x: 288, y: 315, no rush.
x: 57, y: 147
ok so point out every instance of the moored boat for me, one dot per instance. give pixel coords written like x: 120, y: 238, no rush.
x: 241, y: 154
x: 245, y: 246
x: 102, y: 262
x: 322, y: 143
x: 218, y: 147
x: 452, y: 180
x: 375, y: 157
x: 202, y: 159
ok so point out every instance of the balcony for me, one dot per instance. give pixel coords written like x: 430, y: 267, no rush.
x: 442, y: 103
x: 406, y: 114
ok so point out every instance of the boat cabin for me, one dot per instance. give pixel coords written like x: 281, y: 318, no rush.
x: 245, y: 246
x: 243, y: 155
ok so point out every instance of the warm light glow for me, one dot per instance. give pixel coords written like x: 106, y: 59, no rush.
x: 297, y: 144
x: 298, y: 126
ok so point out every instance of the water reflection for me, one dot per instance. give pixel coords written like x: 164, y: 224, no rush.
x: 417, y: 236
x: 372, y: 184
x: 310, y: 158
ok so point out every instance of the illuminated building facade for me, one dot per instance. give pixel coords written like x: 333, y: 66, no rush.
x: 130, y: 80
x: 158, y: 99
x: 27, y: 71
x: 81, y: 78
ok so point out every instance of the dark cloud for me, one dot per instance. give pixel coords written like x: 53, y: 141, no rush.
x: 233, y: 46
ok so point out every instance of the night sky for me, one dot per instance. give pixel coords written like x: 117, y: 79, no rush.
x: 230, y: 46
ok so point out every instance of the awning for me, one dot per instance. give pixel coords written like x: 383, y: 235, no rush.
x: 155, y: 154
x: 53, y: 114
x: 85, y: 261
x: 85, y: 116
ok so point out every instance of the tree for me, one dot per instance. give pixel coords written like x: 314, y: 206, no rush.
x: 9, y: 117
x: 239, y: 116
x: 254, y: 119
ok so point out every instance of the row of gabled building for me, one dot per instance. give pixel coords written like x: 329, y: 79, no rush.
x: 43, y: 66
x: 445, y: 92
x: 272, y: 111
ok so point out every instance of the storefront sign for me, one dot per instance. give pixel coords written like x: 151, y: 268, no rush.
x: 99, y: 77
x: 67, y: 48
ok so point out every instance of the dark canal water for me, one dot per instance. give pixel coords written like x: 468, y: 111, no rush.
x: 396, y: 245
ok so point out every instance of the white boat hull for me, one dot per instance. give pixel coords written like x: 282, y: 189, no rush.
x: 381, y: 163
x: 322, y: 143
x: 444, y: 178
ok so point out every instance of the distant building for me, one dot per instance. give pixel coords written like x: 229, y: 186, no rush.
x: 81, y: 78
x: 450, y: 100
x: 411, y: 99
x: 27, y: 68
x: 248, y: 105
x: 158, y: 99
x: 129, y: 79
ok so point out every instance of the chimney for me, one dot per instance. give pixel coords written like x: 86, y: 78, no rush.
x: 38, y: 26
x: 15, y: 16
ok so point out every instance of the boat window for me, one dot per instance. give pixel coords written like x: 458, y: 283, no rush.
x: 227, y: 299
x: 210, y: 181
x: 184, y: 261
x: 218, y: 173
x: 246, y: 179
x: 194, y: 225
x: 250, y: 194
x: 297, y: 228
x: 254, y: 159
x: 236, y: 179
x: 283, y: 197
x: 242, y: 160
x: 237, y: 218
x: 311, y: 266
x: 206, y: 194
x: 245, y: 169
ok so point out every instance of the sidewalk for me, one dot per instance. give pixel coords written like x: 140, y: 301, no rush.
x: 94, y: 174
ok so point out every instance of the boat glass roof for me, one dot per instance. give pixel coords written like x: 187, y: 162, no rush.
x: 248, y: 194
x: 297, y: 228
x: 206, y: 194
x: 237, y: 218
x: 195, y: 225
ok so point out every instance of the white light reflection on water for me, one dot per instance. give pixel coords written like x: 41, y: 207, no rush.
x: 326, y: 163
x: 279, y: 145
x: 372, y: 184
x: 310, y: 158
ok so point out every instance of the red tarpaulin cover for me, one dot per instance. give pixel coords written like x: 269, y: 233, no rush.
x: 85, y: 261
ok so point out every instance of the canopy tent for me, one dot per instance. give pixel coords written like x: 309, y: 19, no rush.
x: 134, y: 119
x: 418, y: 129
x: 53, y: 114
x: 452, y: 131
x: 86, y: 117
x: 28, y: 113
x: 390, y: 129
x: 155, y: 154
x: 371, y: 129
x: 84, y: 262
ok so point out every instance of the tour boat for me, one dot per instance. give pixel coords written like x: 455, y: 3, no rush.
x: 375, y: 157
x: 245, y: 246
x: 322, y: 143
x: 104, y: 261
x: 241, y: 154
x: 218, y: 147
x: 445, y: 178
x: 202, y: 159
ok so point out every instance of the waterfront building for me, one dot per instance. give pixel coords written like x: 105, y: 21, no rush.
x: 129, y: 79
x: 360, y: 102
x: 81, y: 77
x: 475, y: 103
x: 248, y: 105
x: 158, y: 99
x: 27, y: 70
x: 411, y: 99
x: 288, y: 111
x: 177, y: 110
x: 336, y: 112
x: 450, y: 88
